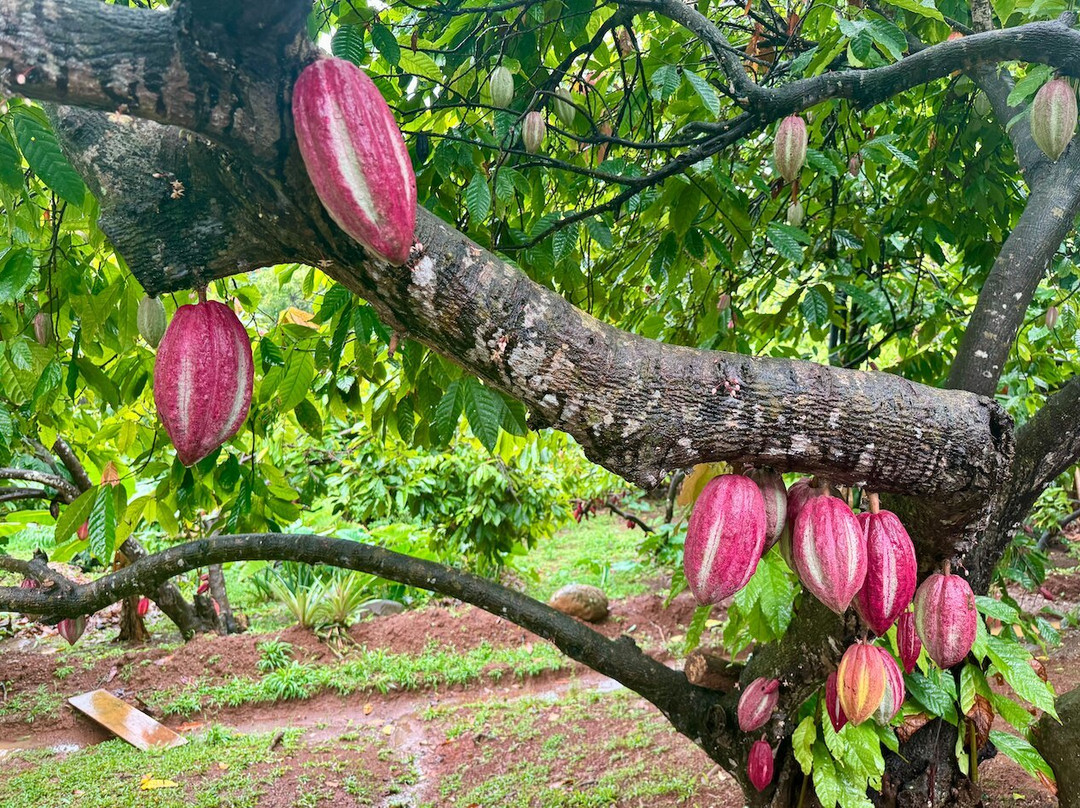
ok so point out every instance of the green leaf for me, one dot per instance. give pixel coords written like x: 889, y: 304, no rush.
x: 1013, y: 662
x: 931, y: 695
x: 924, y: 8
x: 383, y: 39
x: 992, y: 607
x: 405, y: 417
x: 889, y: 38
x: 348, y: 43
x: 420, y: 64
x: 484, y: 410
x: 448, y: 411
x: 11, y: 170
x: 296, y: 381
x: 307, y: 415
x: 16, y: 267
x: 42, y: 152
x: 826, y: 783
x: 815, y: 306
x: 802, y: 743
x: 785, y: 240
x: 103, y: 527
x: 696, y: 627
x: 478, y: 197
x: 705, y: 91
x: 686, y: 209
x: 74, y: 515
x: 1022, y: 752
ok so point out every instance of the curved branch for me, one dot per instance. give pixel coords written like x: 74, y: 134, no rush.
x: 686, y: 705
x: 71, y: 462
x: 16, y: 494
x: 65, y: 488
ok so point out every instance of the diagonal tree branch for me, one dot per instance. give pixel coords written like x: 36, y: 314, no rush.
x: 1047, y: 219
x: 63, y: 487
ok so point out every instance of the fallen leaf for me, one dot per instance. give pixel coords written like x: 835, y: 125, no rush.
x: 368, y: 708
x: 149, y: 782
x: 388, y: 730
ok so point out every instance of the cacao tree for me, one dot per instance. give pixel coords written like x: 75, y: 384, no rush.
x: 809, y: 238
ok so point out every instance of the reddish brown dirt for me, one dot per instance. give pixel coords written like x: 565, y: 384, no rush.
x: 469, y: 759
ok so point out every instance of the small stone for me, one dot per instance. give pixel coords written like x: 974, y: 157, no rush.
x: 582, y: 601
x: 382, y: 608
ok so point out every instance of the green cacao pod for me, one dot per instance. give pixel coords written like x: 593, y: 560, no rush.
x: 532, y: 132
x: 151, y: 320
x: 501, y: 85
x: 563, y: 106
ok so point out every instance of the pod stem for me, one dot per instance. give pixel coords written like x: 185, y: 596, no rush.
x: 875, y: 503
x: 201, y: 291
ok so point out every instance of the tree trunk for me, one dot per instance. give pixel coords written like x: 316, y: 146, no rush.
x: 1059, y: 743
x: 226, y: 620
x: 132, y: 627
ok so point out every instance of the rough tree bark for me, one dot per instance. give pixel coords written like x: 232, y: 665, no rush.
x: 143, y: 101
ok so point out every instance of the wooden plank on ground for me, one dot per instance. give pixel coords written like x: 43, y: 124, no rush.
x: 120, y: 718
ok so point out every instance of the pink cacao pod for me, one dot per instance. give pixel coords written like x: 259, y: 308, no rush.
x: 143, y: 607
x: 829, y: 551
x: 832, y: 704
x: 774, y: 493
x: 945, y: 618
x: 861, y: 682
x: 894, y: 696
x: 725, y: 537
x: 356, y: 157
x: 798, y: 495
x: 532, y: 131
x: 789, y: 148
x: 854, y: 164
x: 72, y: 628
x: 907, y: 640
x: 760, y: 765
x: 28, y: 583
x: 1053, y: 117
x: 83, y: 531
x: 891, y: 571
x: 202, y: 378
x: 757, y: 703
x: 43, y: 330
x: 1051, y: 316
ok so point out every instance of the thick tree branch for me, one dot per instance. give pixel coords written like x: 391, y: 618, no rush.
x: 16, y: 494
x: 71, y: 462
x: 1047, y: 219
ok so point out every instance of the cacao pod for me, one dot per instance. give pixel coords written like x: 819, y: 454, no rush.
x: 945, y: 618
x: 981, y: 104
x: 757, y: 703
x: 1051, y: 316
x: 854, y: 164
x: 143, y: 607
x: 861, y: 682
x: 356, y: 157
x: 789, y: 148
x: 532, y: 131
x: 795, y: 214
x: 1053, y: 117
x: 724, y: 538
x: 759, y: 766
x: 151, y: 320
x: 564, y: 106
x: 774, y: 493
x: 907, y: 641
x: 202, y: 379
x: 891, y: 571
x: 83, y: 532
x: 28, y: 583
x: 894, y: 696
x: 798, y: 495
x: 422, y: 147
x: 723, y: 301
x: 43, y: 330
x: 72, y: 628
x: 501, y: 86
x: 829, y: 551
x: 832, y: 704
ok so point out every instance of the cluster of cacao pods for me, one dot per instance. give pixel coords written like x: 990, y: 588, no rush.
x: 356, y: 157
x: 756, y: 706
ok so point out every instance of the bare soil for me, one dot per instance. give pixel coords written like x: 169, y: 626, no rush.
x: 445, y: 761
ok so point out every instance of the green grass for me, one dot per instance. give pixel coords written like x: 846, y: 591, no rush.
x: 41, y: 703
x: 598, y: 551
x: 557, y: 775
x: 366, y: 669
x: 216, y: 768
